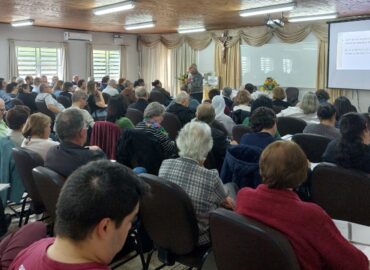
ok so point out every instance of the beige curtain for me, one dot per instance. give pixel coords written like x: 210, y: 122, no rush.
x: 13, y: 62
x: 65, y: 61
x: 123, y: 62
x: 89, y: 61
x: 229, y: 72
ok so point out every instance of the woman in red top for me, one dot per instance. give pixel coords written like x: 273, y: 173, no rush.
x: 315, y: 239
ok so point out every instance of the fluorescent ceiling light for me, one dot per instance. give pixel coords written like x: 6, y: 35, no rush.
x: 139, y: 25
x: 267, y: 9
x: 190, y: 30
x: 313, y: 17
x: 22, y: 23
x: 114, y: 8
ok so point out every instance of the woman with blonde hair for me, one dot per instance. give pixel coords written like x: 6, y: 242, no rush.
x: 36, y: 132
x: 278, y: 96
x: 242, y: 100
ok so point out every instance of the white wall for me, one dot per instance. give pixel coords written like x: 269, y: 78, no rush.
x: 77, y: 49
x: 206, y: 59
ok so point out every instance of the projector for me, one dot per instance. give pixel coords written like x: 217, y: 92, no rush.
x: 276, y: 23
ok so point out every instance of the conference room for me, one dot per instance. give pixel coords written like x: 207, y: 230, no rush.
x: 192, y: 100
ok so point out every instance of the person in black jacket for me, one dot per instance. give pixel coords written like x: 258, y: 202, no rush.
x: 28, y: 98
x: 141, y: 99
x: 181, y: 108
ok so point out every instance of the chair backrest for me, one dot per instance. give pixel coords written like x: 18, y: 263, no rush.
x: 158, y: 97
x: 49, y: 184
x: 292, y: 94
x: 65, y: 101
x: 313, y: 145
x: 171, y: 124
x: 134, y: 115
x: 240, y: 243
x: 239, y: 130
x: 290, y: 125
x: 138, y: 148
x: 41, y: 107
x: 168, y: 216
x: 105, y: 135
x: 25, y: 161
x: 342, y: 193
x: 106, y: 97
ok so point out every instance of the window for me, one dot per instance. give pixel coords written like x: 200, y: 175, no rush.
x: 106, y: 62
x: 39, y: 61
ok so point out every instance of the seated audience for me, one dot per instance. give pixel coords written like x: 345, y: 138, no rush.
x: 12, y: 89
x: 206, y: 113
x: 242, y: 100
x: 278, y: 96
x: 97, y: 106
x: 352, y: 150
x: 250, y: 88
x: 212, y: 93
x: 203, y: 186
x: 139, y: 82
x: 75, y: 79
x: 193, y: 103
x: 157, y: 87
x: 79, y: 101
x: 305, y: 110
x: 82, y: 85
x: 36, y: 85
x: 120, y: 86
x: 111, y: 88
x: 4, y: 130
x: 71, y: 153
x: 67, y: 90
x: 25, y: 95
x: 36, y: 132
x: 117, y: 109
x: 322, y: 95
x: 314, y: 237
x: 326, y: 127
x: 44, y: 79
x: 128, y: 92
x: 181, y: 108
x: 153, y: 116
x: 16, y: 118
x: 29, y: 81
x: 57, y: 88
x: 104, y: 82
x: 226, y: 93
x: 94, y: 214
x: 261, y: 101
x: 54, y: 80
x: 141, y: 99
x: 45, y: 96
x: 342, y: 106
x: 263, y: 123
x: 4, y: 95
x: 218, y: 104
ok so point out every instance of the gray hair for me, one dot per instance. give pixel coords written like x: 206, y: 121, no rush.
x: 227, y: 91
x: 180, y: 97
x: 78, y: 95
x: 153, y: 109
x: 309, y: 103
x: 69, y: 123
x: 140, y: 92
x: 195, y: 141
x: 112, y: 83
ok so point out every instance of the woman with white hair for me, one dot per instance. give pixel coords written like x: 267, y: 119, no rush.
x: 305, y: 110
x: 218, y: 104
x: 153, y: 116
x: 203, y: 186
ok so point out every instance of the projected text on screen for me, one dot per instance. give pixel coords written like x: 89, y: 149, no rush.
x: 353, y: 50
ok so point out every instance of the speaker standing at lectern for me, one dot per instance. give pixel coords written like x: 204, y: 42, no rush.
x: 195, y: 80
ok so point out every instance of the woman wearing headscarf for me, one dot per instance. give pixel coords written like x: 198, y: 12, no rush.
x: 218, y: 104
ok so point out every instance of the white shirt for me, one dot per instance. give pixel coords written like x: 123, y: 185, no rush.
x: 242, y: 107
x: 110, y: 91
x: 89, y: 121
x: 297, y: 112
x: 49, y: 100
x: 40, y: 146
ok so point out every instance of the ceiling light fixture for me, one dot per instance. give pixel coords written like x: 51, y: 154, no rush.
x: 191, y: 30
x: 22, y: 23
x: 114, y: 8
x: 267, y: 9
x: 313, y: 17
x: 140, y: 25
